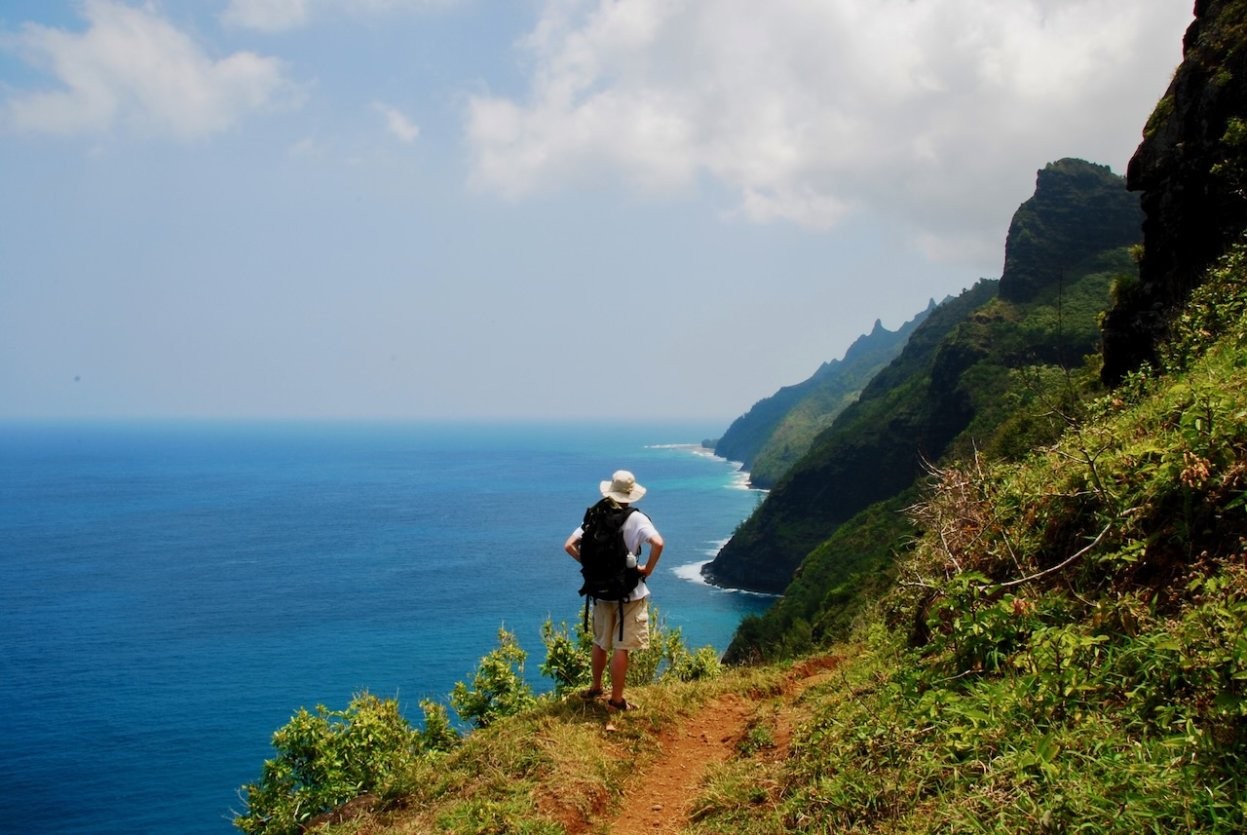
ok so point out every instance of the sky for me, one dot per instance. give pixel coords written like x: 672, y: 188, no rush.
x: 519, y: 209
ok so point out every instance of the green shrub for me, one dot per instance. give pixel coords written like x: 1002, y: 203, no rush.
x: 702, y: 664
x: 567, y: 661
x: 438, y: 735
x: 325, y: 759
x: 498, y: 687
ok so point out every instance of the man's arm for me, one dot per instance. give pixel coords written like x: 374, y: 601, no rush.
x: 655, y: 551
x: 572, y: 547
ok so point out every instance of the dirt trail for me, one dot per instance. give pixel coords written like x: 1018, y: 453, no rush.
x: 658, y: 803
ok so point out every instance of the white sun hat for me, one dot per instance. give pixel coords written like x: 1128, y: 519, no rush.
x: 623, y: 488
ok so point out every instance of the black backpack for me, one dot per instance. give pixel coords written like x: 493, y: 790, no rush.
x: 604, y: 556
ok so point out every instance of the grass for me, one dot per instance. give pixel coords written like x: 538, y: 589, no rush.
x: 554, y: 768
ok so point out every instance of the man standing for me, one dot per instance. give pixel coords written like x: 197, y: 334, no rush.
x: 614, y: 638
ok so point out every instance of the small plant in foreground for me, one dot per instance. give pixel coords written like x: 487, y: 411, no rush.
x: 498, y: 688
x: 567, y: 657
x: 326, y: 758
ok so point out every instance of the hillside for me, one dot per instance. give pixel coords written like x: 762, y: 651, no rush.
x: 1041, y: 629
x: 1191, y: 159
x: 778, y: 430
x: 953, y: 383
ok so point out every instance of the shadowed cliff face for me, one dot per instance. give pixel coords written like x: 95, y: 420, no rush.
x: 1192, y: 171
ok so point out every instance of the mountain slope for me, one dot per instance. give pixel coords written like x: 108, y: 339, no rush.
x: 951, y: 376
x: 778, y: 430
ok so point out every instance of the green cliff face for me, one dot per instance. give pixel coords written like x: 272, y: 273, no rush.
x: 778, y: 430
x: 1078, y: 211
x: 951, y: 386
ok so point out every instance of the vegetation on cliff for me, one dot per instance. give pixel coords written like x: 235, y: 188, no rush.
x: 1006, y: 375
x: 966, y: 370
x: 1064, y: 648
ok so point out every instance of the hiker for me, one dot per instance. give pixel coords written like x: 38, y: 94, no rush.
x: 620, y: 626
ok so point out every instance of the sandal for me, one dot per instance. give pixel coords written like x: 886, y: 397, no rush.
x: 621, y: 705
x: 591, y: 694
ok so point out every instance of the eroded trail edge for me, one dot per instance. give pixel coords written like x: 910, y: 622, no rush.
x: 659, y: 800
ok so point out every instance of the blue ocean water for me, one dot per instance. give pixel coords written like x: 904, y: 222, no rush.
x: 173, y: 592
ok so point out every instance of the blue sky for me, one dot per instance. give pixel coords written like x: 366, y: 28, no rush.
x: 518, y: 208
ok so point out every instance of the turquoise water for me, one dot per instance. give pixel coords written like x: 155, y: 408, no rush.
x: 173, y: 592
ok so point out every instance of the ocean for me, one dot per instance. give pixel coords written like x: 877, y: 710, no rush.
x: 173, y: 592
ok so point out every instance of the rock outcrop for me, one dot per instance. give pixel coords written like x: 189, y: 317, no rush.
x: 1078, y: 211
x: 1192, y: 171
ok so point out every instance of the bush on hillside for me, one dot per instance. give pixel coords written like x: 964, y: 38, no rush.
x: 327, y: 757
x: 498, y: 686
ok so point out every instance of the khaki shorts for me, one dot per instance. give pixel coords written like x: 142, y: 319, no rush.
x: 635, y: 619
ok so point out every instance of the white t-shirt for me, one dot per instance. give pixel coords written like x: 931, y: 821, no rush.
x: 637, y: 530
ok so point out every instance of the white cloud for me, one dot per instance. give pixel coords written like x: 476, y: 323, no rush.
x: 933, y: 113
x: 266, y: 15
x: 132, y: 69
x: 803, y: 205
x: 397, y: 123
x: 278, y: 15
x: 306, y: 148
